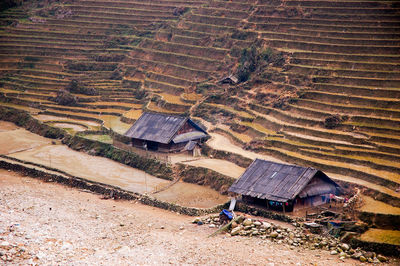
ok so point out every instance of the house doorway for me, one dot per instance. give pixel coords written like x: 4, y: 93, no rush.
x: 152, y: 146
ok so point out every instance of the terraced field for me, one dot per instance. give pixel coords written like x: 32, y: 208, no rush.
x: 324, y: 90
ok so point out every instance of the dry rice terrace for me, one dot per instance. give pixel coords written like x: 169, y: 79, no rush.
x: 322, y: 86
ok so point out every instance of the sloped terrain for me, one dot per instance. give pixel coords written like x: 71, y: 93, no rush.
x: 319, y: 80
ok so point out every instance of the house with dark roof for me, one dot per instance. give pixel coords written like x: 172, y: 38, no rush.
x: 284, y: 187
x: 166, y: 133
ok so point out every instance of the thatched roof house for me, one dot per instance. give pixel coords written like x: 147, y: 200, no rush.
x: 167, y: 133
x: 281, y: 186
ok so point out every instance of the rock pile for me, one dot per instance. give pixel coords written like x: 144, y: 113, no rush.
x: 298, y: 236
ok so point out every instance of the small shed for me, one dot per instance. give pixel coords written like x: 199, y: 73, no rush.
x: 231, y: 79
x: 284, y: 187
x: 165, y: 133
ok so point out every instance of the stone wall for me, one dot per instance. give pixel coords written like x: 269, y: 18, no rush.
x: 380, y: 220
x: 385, y: 249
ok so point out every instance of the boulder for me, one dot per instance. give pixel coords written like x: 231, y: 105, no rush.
x: 345, y: 247
x: 247, y: 222
x: 381, y: 258
x: 369, y: 254
x: 236, y: 230
x: 196, y: 220
x: 266, y: 225
x: 363, y: 259
x: 334, y: 252
x: 274, y: 234
x: 257, y: 223
x: 356, y: 255
x: 248, y: 227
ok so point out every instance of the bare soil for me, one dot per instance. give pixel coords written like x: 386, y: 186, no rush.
x: 75, y: 127
x: 18, y: 139
x: 220, y: 142
x: 24, y: 145
x: 220, y: 166
x: 49, y: 224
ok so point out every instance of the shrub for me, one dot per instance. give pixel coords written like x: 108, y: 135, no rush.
x: 65, y: 98
x: 76, y: 86
x: 332, y: 121
x: 247, y: 63
x: 179, y: 11
x: 5, y: 4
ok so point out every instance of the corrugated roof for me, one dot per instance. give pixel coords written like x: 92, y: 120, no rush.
x: 158, y: 127
x: 275, y: 181
x: 188, y: 136
x: 190, y: 145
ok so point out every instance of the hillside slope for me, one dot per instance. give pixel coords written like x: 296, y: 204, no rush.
x: 320, y: 79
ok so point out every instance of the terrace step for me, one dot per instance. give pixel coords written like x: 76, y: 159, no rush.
x: 199, y: 51
x: 322, y: 110
x: 165, y: 87
x: 170, y: 79
x: 221, y: 12
x: 358, y: 91
x: 168, y: 69
x: 328, y: 40
x: 275, y: 124
x: 119, y: 10
x: 373, y: 58
x: 368, y: 22
x: 350, y: 65
x: 50, y: 39
x: 333, y: 48
x: 282, y: 27
x: 346, y: 35
x: 330, y: 71
x: 378, y: 177
x: 111, y: 14
x: 327, y: 153
x: 54, y: 34
x: 194, y: 62
x: 388, y: 103
x: 207, y: 28
x: 358, y: 81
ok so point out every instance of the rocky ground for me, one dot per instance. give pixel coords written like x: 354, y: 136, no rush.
x: 46, y: 223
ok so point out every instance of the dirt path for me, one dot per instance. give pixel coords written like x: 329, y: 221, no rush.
x: 220, y: 142
x: 50, y: 224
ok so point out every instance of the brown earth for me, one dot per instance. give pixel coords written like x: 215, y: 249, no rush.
x: 51, y: 224
x: 24, y: 145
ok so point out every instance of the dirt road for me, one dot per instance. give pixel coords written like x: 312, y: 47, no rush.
x: 47, y: 223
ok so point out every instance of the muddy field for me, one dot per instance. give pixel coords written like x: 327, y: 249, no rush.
x: 24, y: 145
x: 49, y: 224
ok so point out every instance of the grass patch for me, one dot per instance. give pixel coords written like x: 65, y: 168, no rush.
x: 382, y: 236
x: 133, y: 114
x: 102, y: 138
x: 172, y: 98
x: 375, y: 206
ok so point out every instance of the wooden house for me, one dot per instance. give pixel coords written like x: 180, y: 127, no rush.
x: 166, y: 133
x: 284, y: 187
